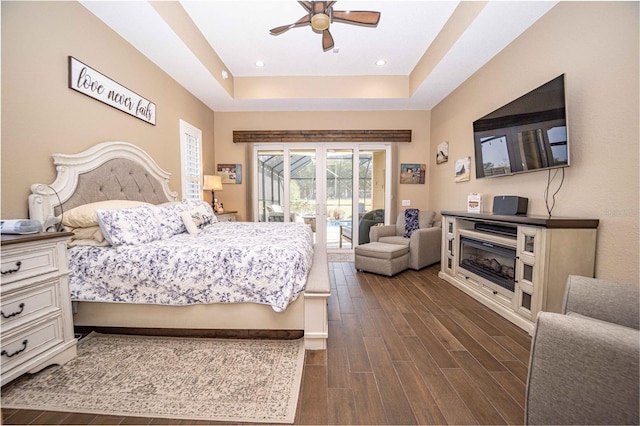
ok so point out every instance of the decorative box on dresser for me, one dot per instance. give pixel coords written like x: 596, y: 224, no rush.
x: 227, y: 216
x: 516, y: 265
x: 36, y: 320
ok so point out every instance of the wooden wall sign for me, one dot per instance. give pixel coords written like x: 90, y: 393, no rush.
x: 90, y: 82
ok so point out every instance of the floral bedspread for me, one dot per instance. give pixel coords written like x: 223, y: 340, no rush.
x: 230, y: 262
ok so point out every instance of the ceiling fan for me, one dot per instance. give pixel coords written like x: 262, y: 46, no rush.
x: 321, y: 14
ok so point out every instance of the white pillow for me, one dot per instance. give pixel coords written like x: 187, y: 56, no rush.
x: 197, y: 220
x: 136, y: 225
x: 85, y: 215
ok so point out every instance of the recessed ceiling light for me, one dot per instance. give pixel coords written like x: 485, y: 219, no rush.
x: 381, y: 62
x: 225, y: 75
x: 259, y: 64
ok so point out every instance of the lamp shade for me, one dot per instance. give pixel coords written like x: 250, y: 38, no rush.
x: 212, y: 183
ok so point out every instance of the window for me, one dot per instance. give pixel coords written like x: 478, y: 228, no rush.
x: 191, y: 161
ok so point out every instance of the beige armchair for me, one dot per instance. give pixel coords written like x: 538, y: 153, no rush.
x: 584, y: 361
x: 424, y: 243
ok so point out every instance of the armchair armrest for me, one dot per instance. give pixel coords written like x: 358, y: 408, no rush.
x: 424, y: 246
x: 604, y: 300
x: 376, y: 232
x: 582, y: 371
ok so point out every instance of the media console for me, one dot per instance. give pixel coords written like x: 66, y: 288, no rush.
x: 516, y: 265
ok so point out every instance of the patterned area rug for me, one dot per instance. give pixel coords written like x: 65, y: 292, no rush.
x: 164, y: 377
x: 340, y: 257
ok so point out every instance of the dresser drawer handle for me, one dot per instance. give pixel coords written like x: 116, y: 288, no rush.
x: 24, y: 347
x: 21, y: 306
x: 11, y: 271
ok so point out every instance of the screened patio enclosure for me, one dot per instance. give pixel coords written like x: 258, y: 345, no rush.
x: 304, y: 206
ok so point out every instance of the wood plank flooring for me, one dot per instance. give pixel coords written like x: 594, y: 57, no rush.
x: 410, y: 349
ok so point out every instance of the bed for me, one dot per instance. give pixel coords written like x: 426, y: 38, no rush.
x: 147, y: 275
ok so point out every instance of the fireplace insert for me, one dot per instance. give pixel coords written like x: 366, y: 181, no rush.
x: 489, y: 260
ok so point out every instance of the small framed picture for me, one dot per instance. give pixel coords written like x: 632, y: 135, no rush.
x: 412, y: 173
x: 230, y: 173
x: 442, y: 153
x: 463, y: 169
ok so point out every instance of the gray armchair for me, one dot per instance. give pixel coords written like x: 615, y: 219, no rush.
x: 584, y: 361
x: 424, y: 243
x: 369, y: 219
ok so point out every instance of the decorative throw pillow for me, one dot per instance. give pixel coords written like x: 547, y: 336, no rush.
x: 85, y: 215
x: 129, y: 226
x: 168, y: 216
x: 411, y: 222
x: 196, y: 220
x: 195, y: 204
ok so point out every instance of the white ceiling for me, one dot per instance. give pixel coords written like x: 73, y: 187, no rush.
x: 238, y: 32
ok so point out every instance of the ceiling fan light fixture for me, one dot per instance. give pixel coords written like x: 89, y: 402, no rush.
x: 321, y: 14
x: 320, y: 21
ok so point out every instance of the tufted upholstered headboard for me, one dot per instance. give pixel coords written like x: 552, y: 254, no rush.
x: 107, y: 171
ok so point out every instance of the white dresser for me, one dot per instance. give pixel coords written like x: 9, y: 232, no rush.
x: 36, y: 319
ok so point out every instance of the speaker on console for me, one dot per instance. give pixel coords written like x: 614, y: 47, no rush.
x: 510, y: 204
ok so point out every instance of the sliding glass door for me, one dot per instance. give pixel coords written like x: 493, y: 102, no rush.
x: 303, y: 187
x: 337, y: 189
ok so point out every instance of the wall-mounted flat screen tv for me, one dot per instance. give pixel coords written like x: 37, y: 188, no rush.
x: 525, y: 135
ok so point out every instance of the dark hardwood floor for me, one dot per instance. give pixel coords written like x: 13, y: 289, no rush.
x: 410, y: 349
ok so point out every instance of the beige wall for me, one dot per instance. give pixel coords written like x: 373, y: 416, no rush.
x: 41, y: 115
x: 596, y: 46
x: 234, y: 196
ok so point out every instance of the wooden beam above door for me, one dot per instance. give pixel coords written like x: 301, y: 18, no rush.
x: 288, y: 136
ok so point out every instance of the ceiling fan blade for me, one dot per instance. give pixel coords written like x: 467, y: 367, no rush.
x: 307, y: 5
x: 357, y: 17
x: 318, y: 7
x: 327, y: 40
x: 302, y: 21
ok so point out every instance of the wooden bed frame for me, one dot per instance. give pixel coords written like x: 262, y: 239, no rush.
x: 121, y: 170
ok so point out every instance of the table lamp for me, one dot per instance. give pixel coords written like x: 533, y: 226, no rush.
x: 212, y: 183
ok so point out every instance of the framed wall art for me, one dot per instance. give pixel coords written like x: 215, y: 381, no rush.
x: 463, y: 169
x: 230, y: 173
x: 412, y: 173
x: 442, y: 152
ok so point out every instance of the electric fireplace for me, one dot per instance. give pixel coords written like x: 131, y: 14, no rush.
x: 492, y: 261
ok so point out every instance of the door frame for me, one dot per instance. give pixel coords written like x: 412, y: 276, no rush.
x: 321, y: 179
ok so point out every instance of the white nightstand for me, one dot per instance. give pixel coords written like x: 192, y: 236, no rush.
x: 227, y: 216
x: 36, y: 318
